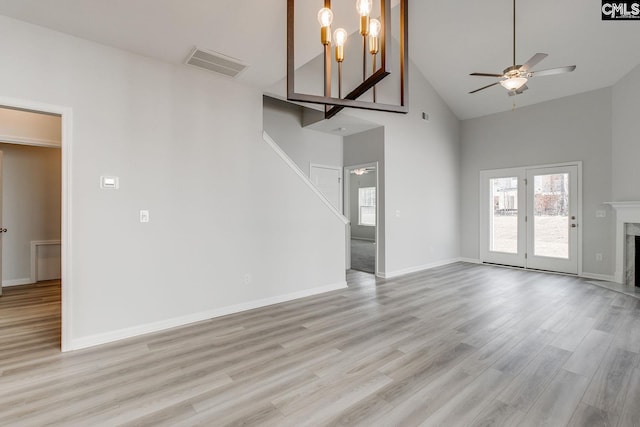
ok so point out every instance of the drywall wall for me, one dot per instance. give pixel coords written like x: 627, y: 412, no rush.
x: 26, y: 127
x: 420, y: 182
x: 31, y: 195
x: 282, y: 121
x: 230, y: 222
x: 626, y: 144
x: 356, y: 182
x: 575, y: 128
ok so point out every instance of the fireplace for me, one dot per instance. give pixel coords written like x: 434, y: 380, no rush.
x: 632, y: 254
x: 627, y: 242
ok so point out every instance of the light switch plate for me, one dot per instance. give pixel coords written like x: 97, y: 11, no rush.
x: 144, y: 216
x: 109, y: 182
x: 601, y: 214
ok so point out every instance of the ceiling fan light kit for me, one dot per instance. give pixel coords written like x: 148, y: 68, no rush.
x: 515, y: 77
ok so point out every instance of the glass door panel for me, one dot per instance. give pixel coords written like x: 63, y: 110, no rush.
x: 552, y: 234
x: 551, y: 215
x: 504, y: 216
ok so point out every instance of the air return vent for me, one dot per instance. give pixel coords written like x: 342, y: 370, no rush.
x: 216, y: 62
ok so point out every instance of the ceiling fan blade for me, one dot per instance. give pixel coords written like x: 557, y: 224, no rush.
x: 533, y: 61
x: 484, y: 87
x: 553, y: 71
x: 486, y: 75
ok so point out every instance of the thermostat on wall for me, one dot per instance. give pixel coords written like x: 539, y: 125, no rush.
x: 109, y: 182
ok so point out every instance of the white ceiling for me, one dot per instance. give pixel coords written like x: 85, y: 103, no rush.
x: 448, y: 40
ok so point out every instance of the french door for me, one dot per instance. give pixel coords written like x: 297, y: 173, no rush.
x: 529, y: 217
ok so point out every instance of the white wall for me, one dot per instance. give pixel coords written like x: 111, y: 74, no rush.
x: 563, y: 130
x: 422, y: 181
x: 355, y: 183
x: 31, y: 195
x: 282, y: 121
x: 26, y: 127
x: 187, y: 146
x: 626, y: 142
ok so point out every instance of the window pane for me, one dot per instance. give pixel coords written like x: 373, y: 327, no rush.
x: 551, y: 215
x: 368, y: 215
x: 504, y: 215
x: 367, y: 206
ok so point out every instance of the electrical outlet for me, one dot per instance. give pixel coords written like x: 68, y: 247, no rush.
x: 247, y: 278
x: 598, y: 257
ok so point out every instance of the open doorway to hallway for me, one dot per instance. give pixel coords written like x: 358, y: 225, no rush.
x: 30, y: 221
x: 361, y: 208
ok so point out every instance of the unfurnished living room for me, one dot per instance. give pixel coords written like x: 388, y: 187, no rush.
x: 319, y: 213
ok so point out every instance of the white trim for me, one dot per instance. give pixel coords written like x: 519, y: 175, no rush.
x: 601, y: 277
x: 66, y: 235
x: 16, y: 282
x: 419, y: 268
x: 333, y: 168
x: 36, y: 142
x: 302, y: 176
x: 347, y: 212
x: 107, y: 337
x: 34, y: 255
x: 470, y: 260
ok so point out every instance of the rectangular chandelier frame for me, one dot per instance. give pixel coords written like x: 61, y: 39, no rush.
x: 334, y: 105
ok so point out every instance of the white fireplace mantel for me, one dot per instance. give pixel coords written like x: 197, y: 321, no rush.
x: 626, y: 212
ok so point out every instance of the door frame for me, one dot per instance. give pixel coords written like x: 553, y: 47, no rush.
x: 340, y: 172
x: 66, y: 114
x: 347, y: 211
x: 482, y: 239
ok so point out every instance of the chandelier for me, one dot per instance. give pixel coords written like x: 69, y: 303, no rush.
x: 375, y: 35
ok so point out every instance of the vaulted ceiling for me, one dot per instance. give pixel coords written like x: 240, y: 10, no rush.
x: 448, y: 40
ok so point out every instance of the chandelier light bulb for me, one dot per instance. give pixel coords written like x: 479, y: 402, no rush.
x: 340, y: 37
x: 325, y: 17
x: 364, y: 7
x: 374, y: 28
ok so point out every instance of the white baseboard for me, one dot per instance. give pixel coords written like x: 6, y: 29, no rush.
x: 107, y: 337
x: 470, y: 260
x: 362, y: 239
x: 417, y: 269
x: 16, y: 282
x: 603, y: 277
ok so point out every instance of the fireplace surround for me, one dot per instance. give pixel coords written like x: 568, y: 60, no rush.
x: 627, y: 227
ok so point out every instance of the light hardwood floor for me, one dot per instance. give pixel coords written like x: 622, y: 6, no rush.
x: 461, y: 345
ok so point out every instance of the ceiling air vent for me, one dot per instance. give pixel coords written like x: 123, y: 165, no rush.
x: 216, y: 62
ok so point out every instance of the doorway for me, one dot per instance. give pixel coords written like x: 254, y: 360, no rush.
x: 47, y: 246
x: 361, y: 208
x: 529, y: 217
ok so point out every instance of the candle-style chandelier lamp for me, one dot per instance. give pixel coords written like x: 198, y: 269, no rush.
x: 375, y: 36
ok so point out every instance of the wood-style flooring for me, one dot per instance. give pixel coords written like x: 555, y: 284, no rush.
x: 460, y: 345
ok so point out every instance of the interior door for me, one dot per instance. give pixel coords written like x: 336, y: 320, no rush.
x: 502, y: 217
x: 328, y: 179
x: 552, y: 219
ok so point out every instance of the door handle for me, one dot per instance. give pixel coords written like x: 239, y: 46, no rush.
x: 3, y: 230
x: 574, y: 225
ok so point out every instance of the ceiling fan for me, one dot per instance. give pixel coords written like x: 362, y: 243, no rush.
x: 515, y: 77
x: 362, y: 171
